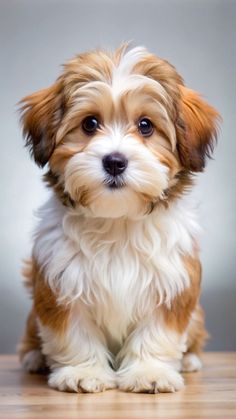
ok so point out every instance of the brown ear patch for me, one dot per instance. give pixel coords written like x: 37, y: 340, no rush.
x: 197, y: 129
x: 41, y: 114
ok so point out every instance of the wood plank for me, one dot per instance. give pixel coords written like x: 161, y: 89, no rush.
x: 209, y: 393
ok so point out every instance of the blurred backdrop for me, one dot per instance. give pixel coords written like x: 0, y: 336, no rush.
x: 198, y: 37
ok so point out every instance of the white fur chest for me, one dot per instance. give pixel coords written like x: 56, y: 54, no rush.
x: 119, y: 269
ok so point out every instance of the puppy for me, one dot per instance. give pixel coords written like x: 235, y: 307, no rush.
x: 115, y: 272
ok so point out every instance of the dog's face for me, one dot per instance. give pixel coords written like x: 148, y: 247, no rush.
x: 120, y: 132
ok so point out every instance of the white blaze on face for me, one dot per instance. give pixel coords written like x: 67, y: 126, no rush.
x: 122, y: 72
x: 124, y: 79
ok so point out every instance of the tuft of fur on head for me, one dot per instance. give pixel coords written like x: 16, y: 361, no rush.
x: 119, y: 89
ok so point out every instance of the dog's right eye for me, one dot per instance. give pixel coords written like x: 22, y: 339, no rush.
x: 90, y: 125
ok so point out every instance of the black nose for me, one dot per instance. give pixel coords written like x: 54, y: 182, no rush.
x: 115, y: 163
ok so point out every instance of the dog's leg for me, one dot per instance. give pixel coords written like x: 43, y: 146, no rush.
x: 29, y: 349
x: 73, y: 346
x: 150, y: 358
x: 197, y: 336
x: 78, y: 358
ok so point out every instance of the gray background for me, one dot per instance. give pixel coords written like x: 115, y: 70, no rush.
x: 198, y: 37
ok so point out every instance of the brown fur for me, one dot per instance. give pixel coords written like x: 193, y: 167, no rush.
x: 31, y: 339
x: 200, y: 130
x: 45, y: 307
x: 197, y: 334
x: 53, y: 180
x: 179, y: 314
x: 166, y: 74
x: 41, y: 114
x: 49, y: 311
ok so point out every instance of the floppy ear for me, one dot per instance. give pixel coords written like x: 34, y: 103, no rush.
x: 198, y: 122
x: 41, y: 114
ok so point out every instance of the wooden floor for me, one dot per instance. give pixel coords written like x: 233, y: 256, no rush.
x: 208, y: 394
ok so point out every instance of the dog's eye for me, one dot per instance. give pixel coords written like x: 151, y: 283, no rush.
x: 90, y: 125
x: 145, y: 127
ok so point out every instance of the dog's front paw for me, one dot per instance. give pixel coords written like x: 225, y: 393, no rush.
x: 76, y: 379
x: 146, y: 378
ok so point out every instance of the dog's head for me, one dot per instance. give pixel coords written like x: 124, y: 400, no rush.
x: 120, y: 132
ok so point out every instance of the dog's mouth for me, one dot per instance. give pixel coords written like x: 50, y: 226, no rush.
x: 115, y: 182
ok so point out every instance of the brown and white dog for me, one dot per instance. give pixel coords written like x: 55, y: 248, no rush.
x: 115, y: 272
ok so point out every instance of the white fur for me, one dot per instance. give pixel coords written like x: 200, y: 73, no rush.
x: 151, y: 376
x: 146, y: 253
x: 128, y: 61
x: 150, y: 357
x: 111, y: 272
x: 191, y: 362
x: 73, y: 378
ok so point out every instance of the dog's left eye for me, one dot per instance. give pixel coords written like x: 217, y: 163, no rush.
x: 90, y: 125
x: 145, y: 127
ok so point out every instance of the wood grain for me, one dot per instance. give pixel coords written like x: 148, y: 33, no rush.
x: 210, y: 393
